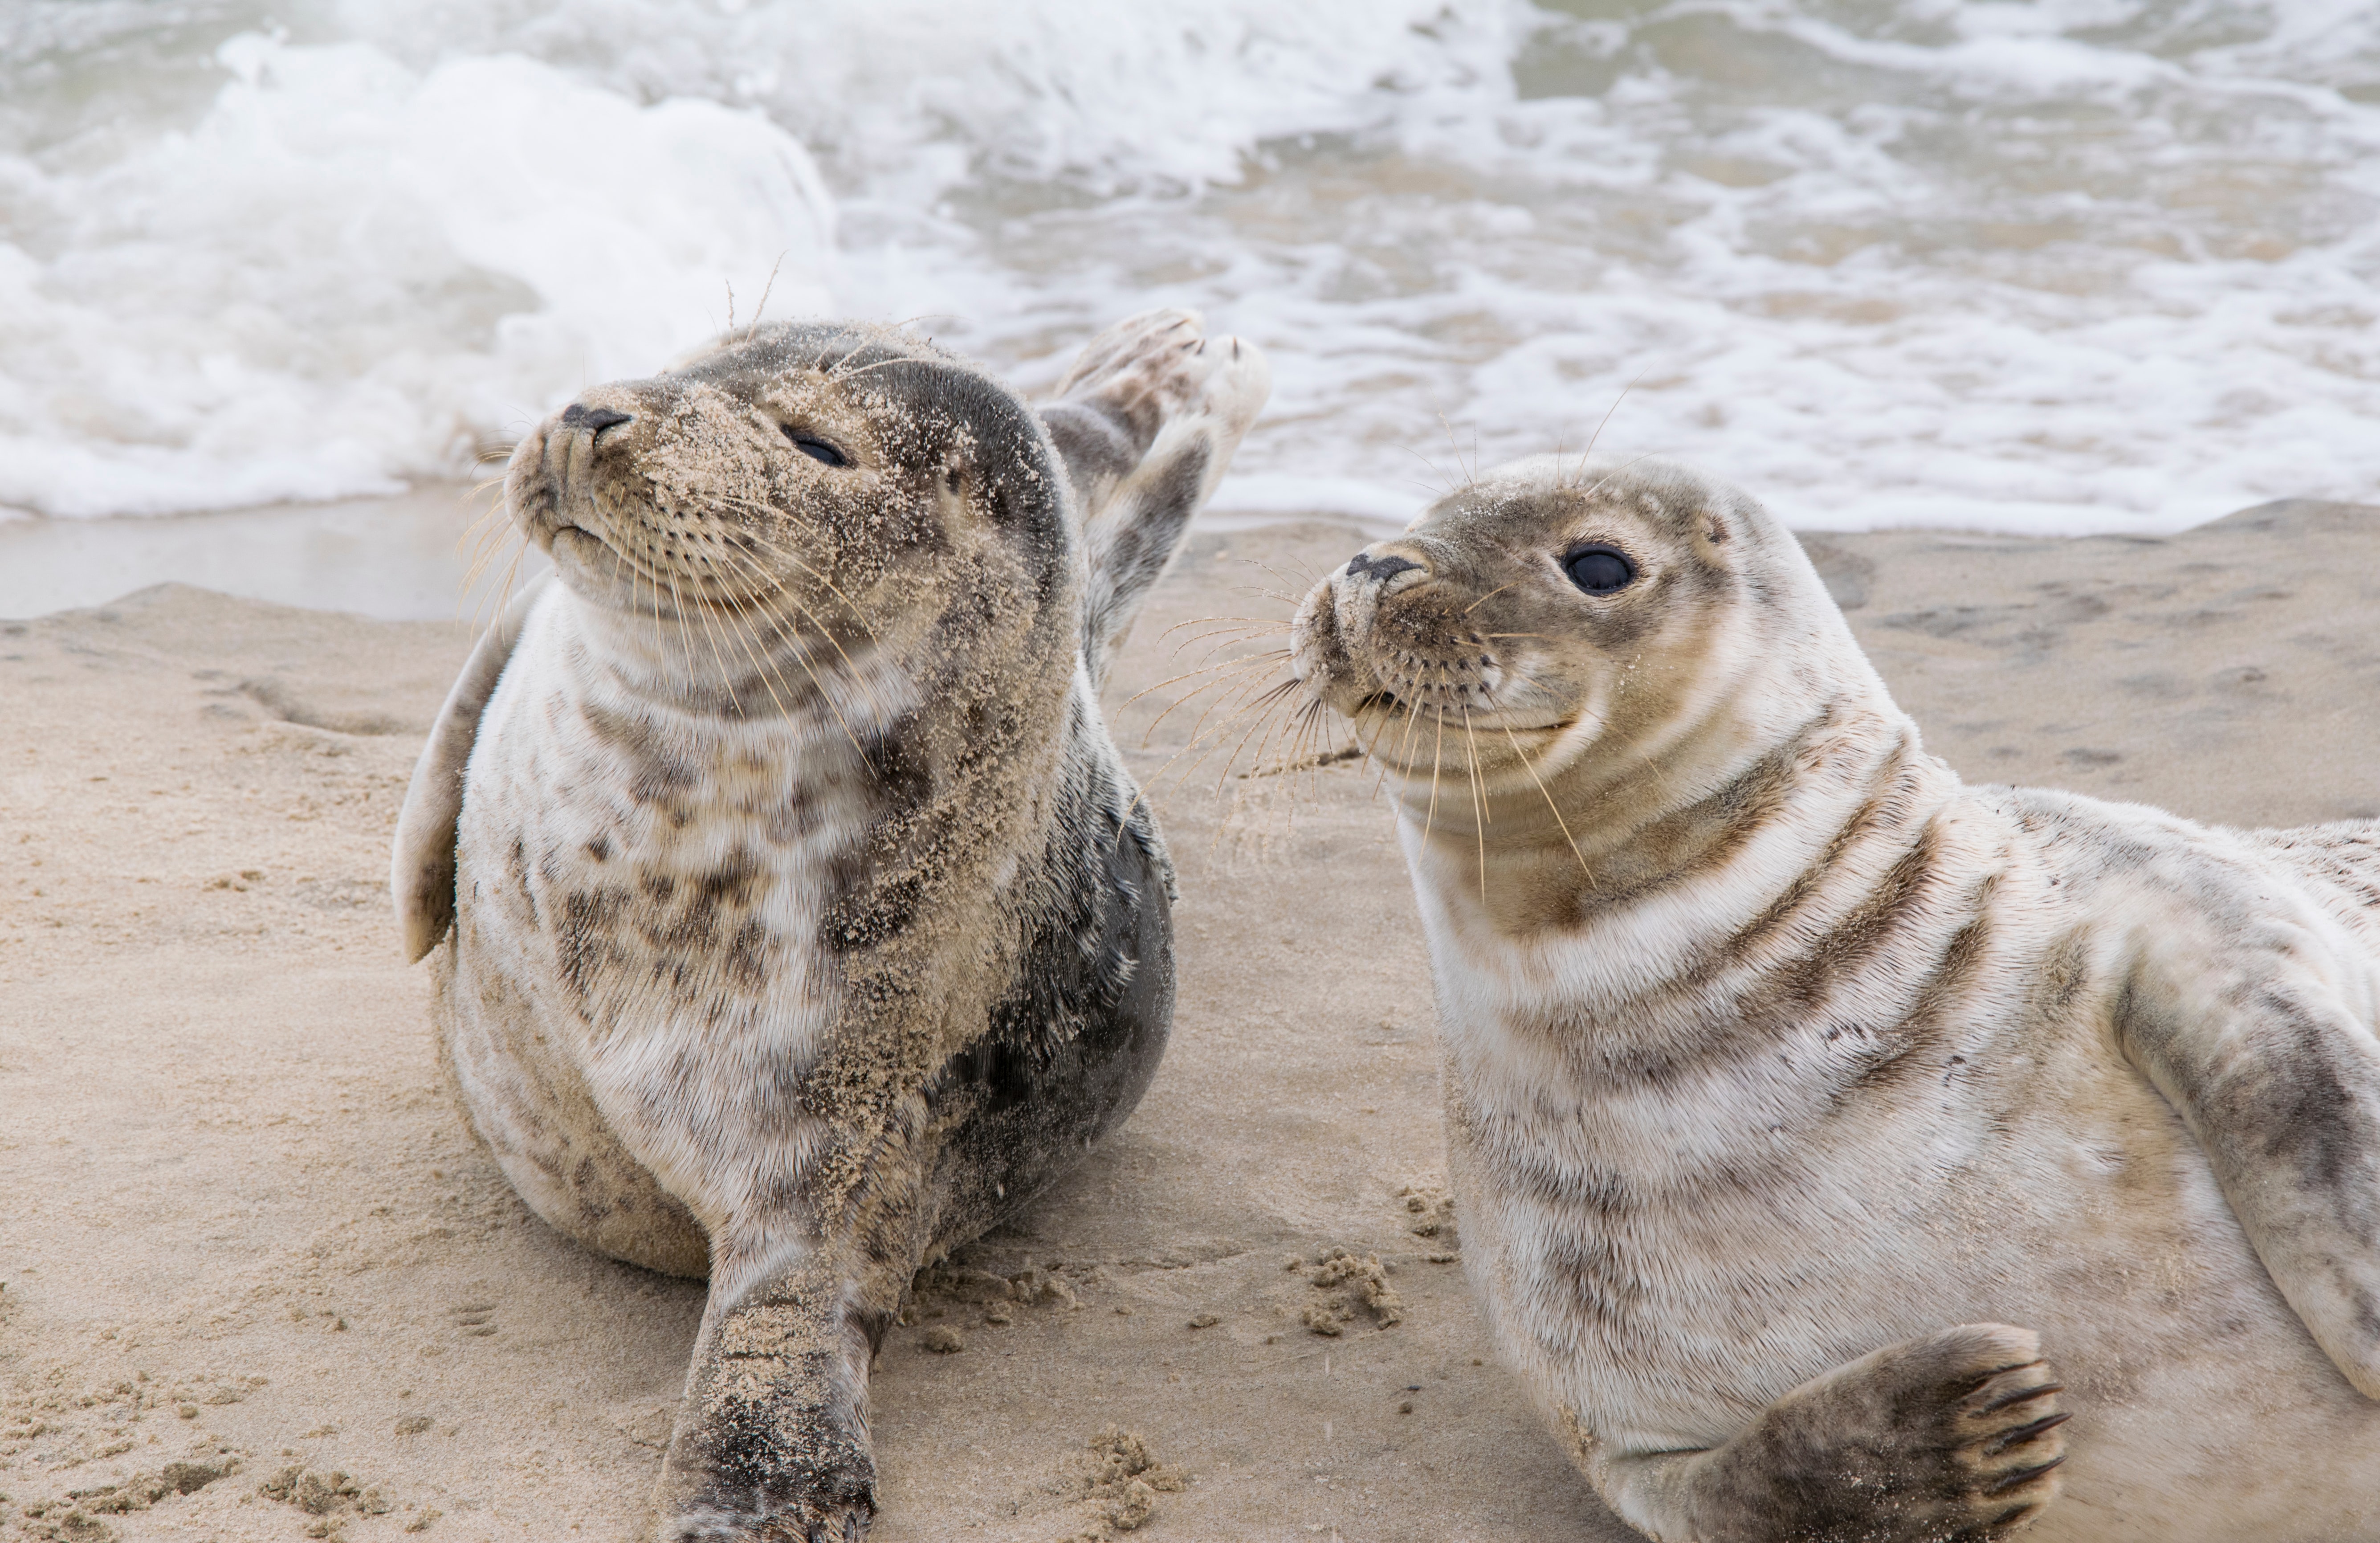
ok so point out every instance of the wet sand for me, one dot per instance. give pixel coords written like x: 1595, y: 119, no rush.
x: 247, y: 1221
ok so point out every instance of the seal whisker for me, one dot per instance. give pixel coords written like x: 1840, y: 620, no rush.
x: 801, y: 657
x: 1286, y: 767
x: 770, y: 677
x: 776, y: 551
x: 1272, y: 724
x: 1278, y: 714
x: 1478, y: 801
x: 1455, y: 449
x: 1605, y: 480
x: 1444, y: 483
x: 717, y: 658
x: 1236, y: 633
x: 1267, y: 706
x: 1259, y: 562
x: 503, y: 600
x: 1521, y: 756
x: 1218, y: 643
x: 1226, y: 673
x: 1491, y: 595
x: 754, y: 325
x: 1312, y: 760
x: 1156, y: 777
x: 1187, y: 675
x: 1201, y: 621
x: 775, y: 591
x: 1606, y: 420
x: 1437, y: 760
x: 1372, y: 751
x: 1256, y: 702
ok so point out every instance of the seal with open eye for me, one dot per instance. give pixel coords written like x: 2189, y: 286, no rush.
x: 1826, y: 1130
x: 804, y: 920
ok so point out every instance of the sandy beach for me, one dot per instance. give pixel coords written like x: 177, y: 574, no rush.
x: 251, y: 1252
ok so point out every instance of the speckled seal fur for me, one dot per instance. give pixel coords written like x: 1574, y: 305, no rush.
x: 803, y: 919
x: 1826, y: 1132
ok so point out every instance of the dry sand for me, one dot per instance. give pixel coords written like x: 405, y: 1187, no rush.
x: 243, y: 1219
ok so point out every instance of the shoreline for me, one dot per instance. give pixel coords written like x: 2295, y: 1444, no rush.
x: 408, y: 557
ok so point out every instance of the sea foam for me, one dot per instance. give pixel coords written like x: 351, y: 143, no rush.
x: 2078, y: 265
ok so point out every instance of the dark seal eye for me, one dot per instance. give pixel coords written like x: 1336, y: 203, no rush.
x: 1599, y: 570
x: 816, y: 449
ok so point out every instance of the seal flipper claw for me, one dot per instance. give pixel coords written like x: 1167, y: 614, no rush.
x: 2020, y: 1396
x: 2020, y: 1476
x: 2024, y: 1433
x: 1891, y: 1448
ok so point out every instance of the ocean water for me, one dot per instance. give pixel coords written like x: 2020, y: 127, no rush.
x: 2079, y: 265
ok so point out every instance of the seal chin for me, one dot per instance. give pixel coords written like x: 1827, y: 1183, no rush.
x: 594, y: 569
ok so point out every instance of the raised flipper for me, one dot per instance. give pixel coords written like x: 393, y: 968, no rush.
x: 1147, y: 421
x: 2262, y: 1038
x: 1953, y: 1438
x: 421, y: 865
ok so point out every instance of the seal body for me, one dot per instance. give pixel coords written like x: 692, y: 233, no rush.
x: 804, y: 920
x: 1826, y: 1133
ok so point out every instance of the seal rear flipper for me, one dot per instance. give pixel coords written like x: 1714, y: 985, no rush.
x: 1147, y: 422
x: 1955, y: 1435
x: 2277, y: 1073
x: 421, y: 865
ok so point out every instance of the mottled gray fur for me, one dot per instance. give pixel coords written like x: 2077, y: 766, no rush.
x: 804, y: 920
x: 1825, y: 1131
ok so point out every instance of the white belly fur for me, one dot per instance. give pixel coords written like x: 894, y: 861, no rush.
x: 668, y: 1043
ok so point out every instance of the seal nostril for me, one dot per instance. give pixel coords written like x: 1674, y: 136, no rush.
x: 578, y: 415
x: 1381, y: 569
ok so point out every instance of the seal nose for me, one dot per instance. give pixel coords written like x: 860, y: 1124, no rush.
x: 1379, y: 570
x: 578, y: 415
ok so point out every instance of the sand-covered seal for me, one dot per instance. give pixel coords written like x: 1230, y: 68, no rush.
x: 1827, y: 1132
x: 804, y: 918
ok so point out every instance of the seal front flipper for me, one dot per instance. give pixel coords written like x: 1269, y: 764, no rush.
x: 1145, y: 422
x: 421, y: 862
x: 1952, y: 1436
x: 771, y: 1437
x: 2264, y: 1044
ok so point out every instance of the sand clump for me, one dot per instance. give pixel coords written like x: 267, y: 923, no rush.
x: 75, y: 1519
x: 1431, y: 1213
x: 328, y: 1495
x: 939, y: 1287
x: 1118, y: 1488
x: 1351, y: 1285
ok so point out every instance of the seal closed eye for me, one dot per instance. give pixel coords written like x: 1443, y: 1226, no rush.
x: 1827, y: 1132
x: 791, y: 915
x: 815, y: 448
